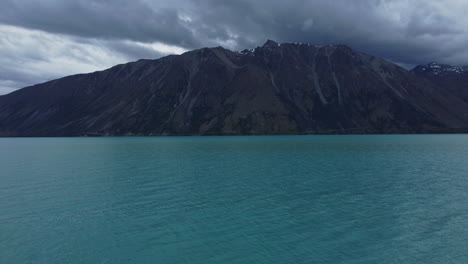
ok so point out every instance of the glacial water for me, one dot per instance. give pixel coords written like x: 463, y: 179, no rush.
x: 279, y: 199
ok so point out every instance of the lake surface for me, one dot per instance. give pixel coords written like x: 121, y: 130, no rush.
x: 278, y: 199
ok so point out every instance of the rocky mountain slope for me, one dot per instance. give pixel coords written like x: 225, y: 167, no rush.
x: 452, y: 78
x: 289, y: 88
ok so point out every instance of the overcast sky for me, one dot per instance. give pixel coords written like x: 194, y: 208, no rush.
x: 42, y: 40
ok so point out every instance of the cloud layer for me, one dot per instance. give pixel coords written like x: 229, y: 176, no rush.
x: 43, y: 40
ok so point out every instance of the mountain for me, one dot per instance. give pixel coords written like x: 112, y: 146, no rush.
x: 452, y: 78
x: 289, y: 88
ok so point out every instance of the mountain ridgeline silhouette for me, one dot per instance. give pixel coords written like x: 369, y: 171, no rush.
x: 289, y: 88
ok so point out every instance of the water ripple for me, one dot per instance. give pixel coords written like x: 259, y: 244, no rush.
x: 291, y: 199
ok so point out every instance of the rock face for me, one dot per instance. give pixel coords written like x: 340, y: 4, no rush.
x: 451, y: 78
x: 289, y: 88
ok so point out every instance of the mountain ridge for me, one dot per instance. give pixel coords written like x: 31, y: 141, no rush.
x: 451, y: 78
x: 287, y: 88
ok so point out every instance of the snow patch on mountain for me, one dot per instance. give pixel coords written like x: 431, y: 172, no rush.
x: 434, y: 68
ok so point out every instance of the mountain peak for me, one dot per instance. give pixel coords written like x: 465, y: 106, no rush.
x: 270, y: 44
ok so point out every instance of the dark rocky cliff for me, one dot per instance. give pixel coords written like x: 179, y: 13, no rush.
x: 286, y: 88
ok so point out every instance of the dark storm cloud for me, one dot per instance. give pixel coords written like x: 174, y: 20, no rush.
x: 94, y: 34
x: 409, y: 32
x: 108, y: 19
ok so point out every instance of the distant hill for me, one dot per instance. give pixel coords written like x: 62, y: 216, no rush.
x: 289, y: 88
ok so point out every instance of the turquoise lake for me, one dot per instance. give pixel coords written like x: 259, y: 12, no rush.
x: 256, y: 199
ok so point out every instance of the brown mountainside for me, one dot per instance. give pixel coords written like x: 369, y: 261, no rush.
x: 286, y: 88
